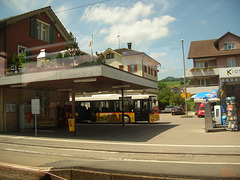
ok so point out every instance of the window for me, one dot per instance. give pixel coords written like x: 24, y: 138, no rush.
x: 201, y: 64
x: 110, y: 56
x: 145, y: 69
x: 203, y: 82
x: 229, y: 46
x: 121, y: 67
x: 132, y: 68
x: 149, y: 69
x: 231, y: 62
x: 155, y: 73
x: 42, y: 31
x: 21, y: 50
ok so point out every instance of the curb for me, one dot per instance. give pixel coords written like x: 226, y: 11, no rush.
x: 97, y: 174
x: 11, y: 172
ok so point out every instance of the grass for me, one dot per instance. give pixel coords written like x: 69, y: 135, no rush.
x: 173, y: 84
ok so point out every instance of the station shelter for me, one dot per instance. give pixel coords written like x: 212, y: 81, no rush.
x: 53, y: 88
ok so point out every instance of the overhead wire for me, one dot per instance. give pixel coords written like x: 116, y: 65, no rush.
x: 82, y: 6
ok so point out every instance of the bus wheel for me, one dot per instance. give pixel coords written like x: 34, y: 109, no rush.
x: 126, y: 119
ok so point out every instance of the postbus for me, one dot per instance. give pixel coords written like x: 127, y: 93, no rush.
x: 108, y: 108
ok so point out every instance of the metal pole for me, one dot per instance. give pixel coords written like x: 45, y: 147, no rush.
x: 35, y: 124
x: 73, y: 112
x: 123, y: 123
x: 184, y: 79
x: 92, y: 49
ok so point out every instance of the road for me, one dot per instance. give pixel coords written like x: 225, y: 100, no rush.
x: 175, y: 146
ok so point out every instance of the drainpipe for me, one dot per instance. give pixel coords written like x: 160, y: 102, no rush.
x: 73, y: 112
x: 4, y: 113
x: 1, y: 110
x: 143, y: 65
x: 123, y: 123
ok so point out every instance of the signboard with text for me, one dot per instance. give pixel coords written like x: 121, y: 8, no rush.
x: 35, y: 106
x: 229, y: 72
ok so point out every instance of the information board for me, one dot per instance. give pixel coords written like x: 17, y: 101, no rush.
x: 35, y: 106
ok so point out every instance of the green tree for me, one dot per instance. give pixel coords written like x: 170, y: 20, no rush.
x: 164, y: 95
x: 59, y: 56
x: 18, y: 61
x: 101, y: 59
x: 22, y: 60
x: 72, y: 46
x: 176, y: 99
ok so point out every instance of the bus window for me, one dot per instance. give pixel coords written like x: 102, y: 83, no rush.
x: 145, y: 105
x: 137, y: 105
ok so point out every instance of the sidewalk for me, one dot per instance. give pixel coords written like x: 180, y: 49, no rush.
x: 171, y: 129
x: 176, y: 142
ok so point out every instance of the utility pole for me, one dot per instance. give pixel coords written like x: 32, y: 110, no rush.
x: 90, y: 46
x: 118, y: 39
x: 184, y: 79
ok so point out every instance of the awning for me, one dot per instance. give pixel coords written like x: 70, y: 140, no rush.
x: 91, y: 78
x: 231, y: 79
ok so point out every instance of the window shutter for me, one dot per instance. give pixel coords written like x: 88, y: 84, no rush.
x: 129, y: 68
x: 121, y: 67
x: 33, y: 26
x: 52, y: 35
x: 135, y: 68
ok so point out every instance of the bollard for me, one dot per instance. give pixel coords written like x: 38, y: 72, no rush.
x: 71, y: 124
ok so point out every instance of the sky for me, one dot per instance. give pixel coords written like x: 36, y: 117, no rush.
x: 155, y: 27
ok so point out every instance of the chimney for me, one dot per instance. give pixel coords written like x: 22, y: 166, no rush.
x: 129, y: 45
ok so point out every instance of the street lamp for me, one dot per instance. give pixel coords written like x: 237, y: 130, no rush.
x: 184, y: 79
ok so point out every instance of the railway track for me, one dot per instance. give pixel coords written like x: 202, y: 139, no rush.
x: 120, y: 155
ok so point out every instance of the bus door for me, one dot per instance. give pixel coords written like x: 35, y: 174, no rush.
x: 141, y: 110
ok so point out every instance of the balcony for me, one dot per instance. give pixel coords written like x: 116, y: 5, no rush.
x: 197, y: 89
x: 204, y: 72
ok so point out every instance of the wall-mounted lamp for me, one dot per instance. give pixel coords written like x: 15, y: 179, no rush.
x: 121, y: 86
x: 85, y: 80
x: 18, y: 85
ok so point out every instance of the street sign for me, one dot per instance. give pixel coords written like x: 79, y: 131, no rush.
x: 35, y: 110
x: 188, y: 95
x: 35, y: 106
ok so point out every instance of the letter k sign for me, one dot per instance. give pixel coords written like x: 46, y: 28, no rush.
x: 229, y: 72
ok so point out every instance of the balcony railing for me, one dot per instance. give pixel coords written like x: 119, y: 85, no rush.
x: 53, y: 64
x: 201, y: 72
x: 194, y: 89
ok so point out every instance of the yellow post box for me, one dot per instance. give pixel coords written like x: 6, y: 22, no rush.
x: 71, y: 124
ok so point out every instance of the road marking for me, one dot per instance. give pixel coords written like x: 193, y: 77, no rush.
x: 121, y: 143
x: 122, y: 159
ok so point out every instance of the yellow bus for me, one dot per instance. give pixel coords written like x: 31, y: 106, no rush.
x: 107, y: 108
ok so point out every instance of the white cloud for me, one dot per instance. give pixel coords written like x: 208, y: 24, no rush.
x: 165, y: 4
x: 26, y: 5
x: 164, y: 70
x: 117, y: 15
x: 141, y: 31
x: 158, y: 56
x: 65, y: 16
x: 203, y: 22
x: 132, y: 23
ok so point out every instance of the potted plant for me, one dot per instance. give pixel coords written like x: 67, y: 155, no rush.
x: 193, y: 69
x: 205, y: 68
x: 198, y: 69
x: 210, y: 68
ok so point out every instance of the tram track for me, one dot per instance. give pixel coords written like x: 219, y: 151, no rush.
x: 120, y: 155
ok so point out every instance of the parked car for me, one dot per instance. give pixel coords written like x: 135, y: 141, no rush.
x: 177, y: 110
x: 201, y: 110
x: 168, y: 109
